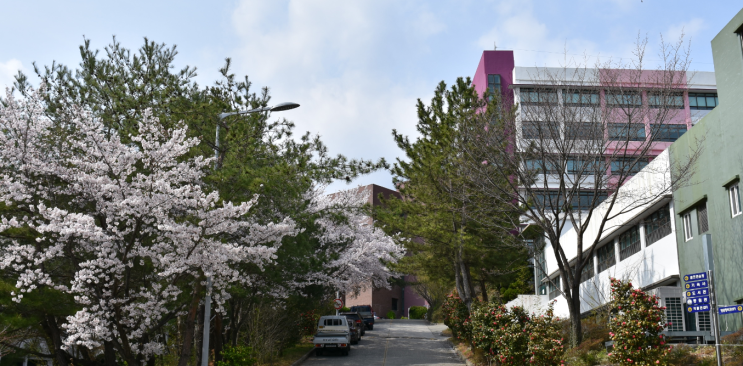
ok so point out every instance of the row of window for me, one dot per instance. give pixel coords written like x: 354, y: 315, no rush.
x: 595, y: 131
x: 554, y: 200
x: 589, y: 97
x: 701, y: 213
x: 586, y: 166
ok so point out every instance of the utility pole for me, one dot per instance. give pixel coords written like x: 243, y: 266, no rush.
x: 709, y: 264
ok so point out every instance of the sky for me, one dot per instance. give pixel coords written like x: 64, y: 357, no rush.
x: 357, y: 67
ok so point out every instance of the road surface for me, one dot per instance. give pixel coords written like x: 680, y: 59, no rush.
x: 395, y: 343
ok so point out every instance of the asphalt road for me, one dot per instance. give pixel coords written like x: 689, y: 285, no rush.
x: 393, y: 343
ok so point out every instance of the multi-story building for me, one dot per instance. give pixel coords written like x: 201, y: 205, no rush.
x: 655, y: 243
x: 397, y: 298
x: 711, y: 203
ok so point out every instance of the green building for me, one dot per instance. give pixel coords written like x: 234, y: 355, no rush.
x: 709, y: 202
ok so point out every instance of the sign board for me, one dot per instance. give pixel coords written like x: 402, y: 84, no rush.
x: 338, y: 304
x: 692, y: 285
x: 697, y: 293
x: 730, y: 309
x: 697, y: 308
x: 697, y: 300
x: 695, y: 276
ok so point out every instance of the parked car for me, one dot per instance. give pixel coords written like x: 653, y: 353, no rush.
x: 354, y: 317
x: 367, y: 314
x: 333, y: 333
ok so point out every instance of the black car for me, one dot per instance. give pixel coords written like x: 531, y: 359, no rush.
x: 366, y: 313
x: 355, y: 317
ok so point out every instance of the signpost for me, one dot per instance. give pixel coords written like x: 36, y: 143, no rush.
x: 700, y: 293
x: 730, y: 309
x: 337, y: 303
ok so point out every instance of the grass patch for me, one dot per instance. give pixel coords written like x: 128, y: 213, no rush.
x: 292, y: 354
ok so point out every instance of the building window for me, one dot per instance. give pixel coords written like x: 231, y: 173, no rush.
x: 587, y: 272
x: 703, y: 101
x: 703, y: 322
x: 539, y: 166
x: 687, y: 226
x: 626, y: 131
x: 629, y: 243
x: 658, y: 225
x: 734, y: 193
x: 584, y: 200
x: 675, y: 314
x: 554, y: 287
x: 606, y: 257
x: 585, y: 166
x: 548, y: 200
x: 494, y: 85
x: 544, y: 130
x: 670, y: 101
x: 667, y: 133
x: 584, y: 131
x: 541, y: 264
x: 530, y: 96
x: 620, y: 99
x: 394, y: 304
x: 627, y: 166
x: 581, y: 98
x: 702, y: 218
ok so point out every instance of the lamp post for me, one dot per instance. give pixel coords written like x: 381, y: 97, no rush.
x: 208, y: 297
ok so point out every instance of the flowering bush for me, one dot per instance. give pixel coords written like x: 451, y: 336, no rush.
x: 545, y: 341
x: 308, y: 322
x: 510, y: 336
x: 636, y: 327
x: 456, y: 316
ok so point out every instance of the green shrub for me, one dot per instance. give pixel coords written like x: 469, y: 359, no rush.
x: 417, y: 312
x: 390, y: 314
x: 403, y: 317
x: 237, y: 356
x: 345, y: 309
x: 636, y: 328
x: 456, y: 316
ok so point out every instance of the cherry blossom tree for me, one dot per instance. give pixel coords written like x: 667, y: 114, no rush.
x: 356, y: 252
x: 126, y: 228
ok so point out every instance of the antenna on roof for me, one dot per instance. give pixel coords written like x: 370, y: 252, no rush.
x: 495, y: 48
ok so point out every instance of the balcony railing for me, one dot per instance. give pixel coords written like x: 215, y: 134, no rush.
x: 661, y: 232
x: 629, y: 250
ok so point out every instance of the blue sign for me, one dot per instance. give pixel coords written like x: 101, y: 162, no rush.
x: 695, y: 276
x: 697, y: 300
x: 697, y: 293
x: 697, y: 308
x: 730, y: 309
x: 696, y: 285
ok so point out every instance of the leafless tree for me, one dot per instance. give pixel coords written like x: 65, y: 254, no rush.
x: 574, y: 137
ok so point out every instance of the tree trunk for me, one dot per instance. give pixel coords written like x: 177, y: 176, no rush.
x: 199, y: 338
x: 576, y: 328
x: 52, y: 330
x: 466, y: 280
x: 458, y: 277
x: 217, y: 340
x: 484, y: 289
x: 188, y: 328
x: 109, y: 353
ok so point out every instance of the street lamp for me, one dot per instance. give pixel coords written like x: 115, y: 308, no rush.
x: 208, y: 299
x: 277, y: 108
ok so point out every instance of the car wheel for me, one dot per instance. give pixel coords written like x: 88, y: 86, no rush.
x: 318, y: 352
x: 371, y: 327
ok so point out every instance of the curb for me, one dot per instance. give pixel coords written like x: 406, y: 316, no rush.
x: 303, y: 358
x: 461, y: 356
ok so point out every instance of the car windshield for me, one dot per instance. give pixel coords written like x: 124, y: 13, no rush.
x: 352, y: 316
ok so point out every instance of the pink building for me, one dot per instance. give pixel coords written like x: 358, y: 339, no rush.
x: 399, y: 298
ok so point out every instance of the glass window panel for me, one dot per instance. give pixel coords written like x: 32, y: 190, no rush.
x: 711, y: 102
x: 692, y: 101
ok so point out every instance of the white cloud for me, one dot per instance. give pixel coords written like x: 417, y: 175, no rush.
x: 689, y: 29
x: 534, y: 44
x: 330, y: 56
x: 8, y: 71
